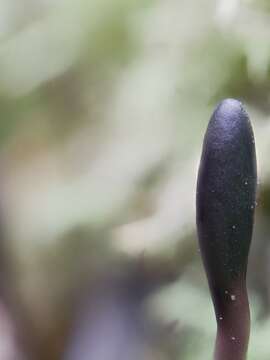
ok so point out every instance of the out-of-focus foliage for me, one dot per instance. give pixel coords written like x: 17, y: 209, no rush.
x: 103, y: 106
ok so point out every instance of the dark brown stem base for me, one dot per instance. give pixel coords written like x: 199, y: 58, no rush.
x: 233, y: 326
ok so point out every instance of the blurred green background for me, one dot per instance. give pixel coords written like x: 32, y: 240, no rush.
x: 103, y: 108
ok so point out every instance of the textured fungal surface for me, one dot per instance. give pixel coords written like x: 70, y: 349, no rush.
x: 226, y: 195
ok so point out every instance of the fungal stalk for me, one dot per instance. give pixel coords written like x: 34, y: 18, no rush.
x: 226, y: 193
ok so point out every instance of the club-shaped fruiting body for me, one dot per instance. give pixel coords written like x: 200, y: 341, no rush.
x: 226, y: 192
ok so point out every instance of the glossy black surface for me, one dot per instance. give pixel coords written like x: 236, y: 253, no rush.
x: 226, y: 191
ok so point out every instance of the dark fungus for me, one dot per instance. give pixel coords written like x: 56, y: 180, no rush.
x: 226, y: 195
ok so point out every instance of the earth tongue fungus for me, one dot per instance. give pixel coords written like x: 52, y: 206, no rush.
x: 226, y: 192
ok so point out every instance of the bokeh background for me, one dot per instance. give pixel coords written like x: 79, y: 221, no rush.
x: 103, y: 108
